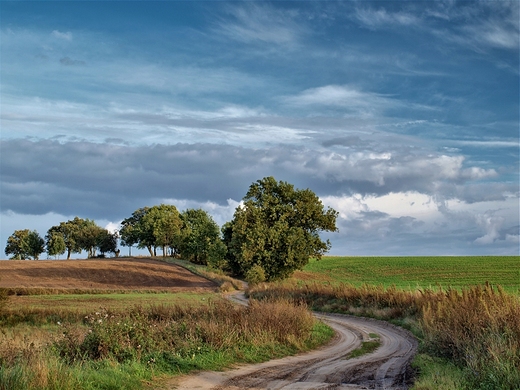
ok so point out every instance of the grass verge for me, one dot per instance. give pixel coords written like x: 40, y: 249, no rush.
x: 477, y: 329
x: 128, y: 349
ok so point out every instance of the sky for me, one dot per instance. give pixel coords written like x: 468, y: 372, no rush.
x: 401, y: 115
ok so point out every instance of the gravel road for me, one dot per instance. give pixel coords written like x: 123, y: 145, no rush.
x: 388, y: 367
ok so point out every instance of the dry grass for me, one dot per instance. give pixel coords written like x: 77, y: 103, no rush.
x: 163, y: 339
x: 478, y: 328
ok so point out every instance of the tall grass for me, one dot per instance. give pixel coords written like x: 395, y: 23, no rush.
x: 146, y: 342
x: 478, y: 328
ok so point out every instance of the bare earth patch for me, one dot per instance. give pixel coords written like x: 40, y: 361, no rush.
x: 102, y: 274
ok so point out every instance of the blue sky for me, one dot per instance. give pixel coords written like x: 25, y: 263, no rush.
x: 403, y: 116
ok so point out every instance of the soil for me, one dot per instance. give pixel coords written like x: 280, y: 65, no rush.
x: 100, y: 274
x: 388, y: 367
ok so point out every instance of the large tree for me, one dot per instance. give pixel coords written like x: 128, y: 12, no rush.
x: 106, y: 242
x: 133, y: 231
x: 69, y: 232
x: 201, y: 242
x: 23, y: 244
x: 277, y: 229
x: 55, y: 244
x: 152, y: 227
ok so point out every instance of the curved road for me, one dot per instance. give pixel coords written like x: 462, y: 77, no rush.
x: 325, y: 368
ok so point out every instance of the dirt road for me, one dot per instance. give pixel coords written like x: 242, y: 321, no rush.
x: 326, y: 368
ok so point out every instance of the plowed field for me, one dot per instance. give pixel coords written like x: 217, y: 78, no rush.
x: 100, y: 274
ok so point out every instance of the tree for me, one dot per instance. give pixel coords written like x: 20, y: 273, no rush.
x: 77, y: 235
x: 106, y: 242
x: 133, y: 232
x: 165, y: 223
x: 55, y: 244
x: 152, y: 227
x: 69, y: 231
x: 23, y: 244
x: 201, y: 243
x: 277, y: 228
x: 88, y: 235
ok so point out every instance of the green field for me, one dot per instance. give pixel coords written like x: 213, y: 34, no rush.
x: 418, y: 272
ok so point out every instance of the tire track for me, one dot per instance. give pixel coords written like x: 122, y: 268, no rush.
x: 387, y: 367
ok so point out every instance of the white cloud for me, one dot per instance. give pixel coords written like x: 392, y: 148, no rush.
x: 345, y: 97
x: 257, y: 22
x: 67, y: 36
x: 374, y: 19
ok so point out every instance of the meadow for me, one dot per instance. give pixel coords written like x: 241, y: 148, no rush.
x: 411, y: 273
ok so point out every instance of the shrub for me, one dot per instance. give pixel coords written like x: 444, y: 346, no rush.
x: 255, y: 275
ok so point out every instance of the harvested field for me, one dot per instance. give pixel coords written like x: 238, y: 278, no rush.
x: 100, y: 274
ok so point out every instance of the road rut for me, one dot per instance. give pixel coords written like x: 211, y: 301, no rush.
x: 328, y: 367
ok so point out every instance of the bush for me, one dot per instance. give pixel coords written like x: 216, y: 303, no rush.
x: 255, y: 275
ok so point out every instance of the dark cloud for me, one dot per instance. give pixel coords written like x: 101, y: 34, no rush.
x: 111, y: 180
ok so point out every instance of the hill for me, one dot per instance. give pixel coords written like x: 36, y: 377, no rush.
x: 101, y: 274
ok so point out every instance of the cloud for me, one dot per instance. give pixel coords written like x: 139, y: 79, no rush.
x: 67, y: 36
x: 374, y: 19
x: 70, y: 62
x: 342, y: 96
x: 257, y: 22
x: 49, y: 176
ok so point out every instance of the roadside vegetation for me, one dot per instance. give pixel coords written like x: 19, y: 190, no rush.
x: 133, y: 348
x: 470, y: 336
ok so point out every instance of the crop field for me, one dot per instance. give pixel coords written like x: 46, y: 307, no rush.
x: 411, y: 273
x: 113, y: 302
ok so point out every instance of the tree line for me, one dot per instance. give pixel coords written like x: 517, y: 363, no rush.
x: 274, y: 232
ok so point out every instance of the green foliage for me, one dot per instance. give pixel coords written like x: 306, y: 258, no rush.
x: 153, y: 227
x: 201, y: 243
x: 278, y: 229
x: 106, y: 242
x: 23, y: 244
x: 69, y: 231
x: 77, y: 235
x: 55, y: 244
x: 436, y: 374
x: 255, y: 275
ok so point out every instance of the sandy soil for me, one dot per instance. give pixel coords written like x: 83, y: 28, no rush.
x: 387, y: 367
x: 103, y: 274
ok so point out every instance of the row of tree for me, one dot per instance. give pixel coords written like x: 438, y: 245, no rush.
x: 273, y: 233
x: 73, y: 236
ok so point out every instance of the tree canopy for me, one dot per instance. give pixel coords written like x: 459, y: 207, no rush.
x: 201, y: 243
x: 277, y: 228
x: 153, y: 227
x: 77, y: 235
x: 23, y: 244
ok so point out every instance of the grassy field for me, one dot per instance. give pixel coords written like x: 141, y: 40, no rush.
x: 417, y: 272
